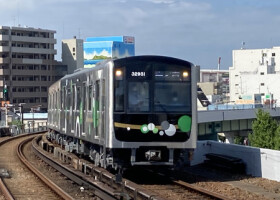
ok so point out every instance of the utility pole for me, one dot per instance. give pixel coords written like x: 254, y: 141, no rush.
x: 6, y: 115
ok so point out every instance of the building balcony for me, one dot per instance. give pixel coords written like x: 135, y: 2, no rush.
x: 4, y: 49
x: 32, y: 61
x: 32, y: 83
x: 19, y: 72
x: 4, y: 60
x: 29, y: 94
x: 4, y: 72
x: 4, y: 37
x: 32, y: 50
x: 34, y: 39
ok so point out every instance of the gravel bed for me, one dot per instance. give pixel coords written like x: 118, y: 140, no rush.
x: 220, y: 181
x: 59, y: 179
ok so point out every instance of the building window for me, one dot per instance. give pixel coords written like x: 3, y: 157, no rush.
x: 273, y: 54
x: 73, y: 54
x: 262, y: 73
x: 74, y: 49
x: 236, y: 84
x: 262, y: 84
x: 262, y: 94
x: 264, y: 54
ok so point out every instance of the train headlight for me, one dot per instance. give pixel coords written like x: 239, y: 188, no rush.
x: 185, y: 74
x: 119, y: 74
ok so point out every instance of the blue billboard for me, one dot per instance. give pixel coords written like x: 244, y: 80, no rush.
x: 97, y: 49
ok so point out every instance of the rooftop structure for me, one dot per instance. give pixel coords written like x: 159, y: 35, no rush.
x: 72, y: 54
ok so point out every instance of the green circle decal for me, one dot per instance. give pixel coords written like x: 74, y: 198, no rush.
x: 155, y: 131
x: 144, y: 128
x: 184, y: 123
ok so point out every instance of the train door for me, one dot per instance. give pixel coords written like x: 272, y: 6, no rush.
x: 63, y: 110
x: 83, y: 109
x: 99, y: 108
x: 72, y: 114
x: 90, y: 129
x: 78, y: 112
x: 59, y: 108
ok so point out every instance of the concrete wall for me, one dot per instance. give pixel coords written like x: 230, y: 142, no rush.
x: 259, y: 162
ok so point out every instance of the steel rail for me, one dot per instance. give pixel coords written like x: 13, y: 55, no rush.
x: 99, y: 177
x: 101, y: 190
x: 200, y: 190
x: 3, y: 187
x: 41, y: 176
x: 6, y: 192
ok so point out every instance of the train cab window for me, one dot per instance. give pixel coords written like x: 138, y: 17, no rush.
x: 170, y: 98
x: 138, y: 96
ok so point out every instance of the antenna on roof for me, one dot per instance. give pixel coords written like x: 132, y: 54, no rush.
x: 243, y: 45
x: 219, y: 63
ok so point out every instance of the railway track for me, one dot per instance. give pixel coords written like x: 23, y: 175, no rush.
x: 168, y: 187
x: 97, y: 181
x: 21, y: 181
x: 132, y: 190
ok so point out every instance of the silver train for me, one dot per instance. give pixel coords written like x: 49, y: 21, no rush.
x: 132, y: 111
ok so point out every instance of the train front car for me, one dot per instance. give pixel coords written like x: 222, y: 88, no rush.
x: 154, y: 109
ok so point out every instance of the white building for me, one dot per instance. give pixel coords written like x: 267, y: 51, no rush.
x: 255, y: 75
x: 73, y: 54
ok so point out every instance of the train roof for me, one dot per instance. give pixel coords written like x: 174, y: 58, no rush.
x: 129, y: 59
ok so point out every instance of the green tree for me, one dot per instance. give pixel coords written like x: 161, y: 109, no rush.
x: 238, y: 140
x: 277, y: 139
x: 264, y: 131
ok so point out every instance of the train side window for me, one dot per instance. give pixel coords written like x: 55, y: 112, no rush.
x: 63, y: 98
x: 119, y: 96
x: 89, y: 97
x: 84, y: 96
x: 73, y: 92
x: 58, y: 99
x: 78, y: 98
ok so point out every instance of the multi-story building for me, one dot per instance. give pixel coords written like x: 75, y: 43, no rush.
x: 215, y: 85
x: 254, y: 75
x: 73, y: 54
x: 27, y: 65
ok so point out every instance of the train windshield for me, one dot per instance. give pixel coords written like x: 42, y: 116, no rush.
x: 171, y: 97
x: 152, y: 87
x: 138, y: 96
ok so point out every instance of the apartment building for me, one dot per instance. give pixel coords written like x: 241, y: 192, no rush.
x: 27, y: 65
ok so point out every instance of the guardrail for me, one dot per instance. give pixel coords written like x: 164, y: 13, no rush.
x: 27, y: 128
x: 236, y: 106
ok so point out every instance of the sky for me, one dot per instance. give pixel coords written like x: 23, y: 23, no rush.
x: 199, y: 31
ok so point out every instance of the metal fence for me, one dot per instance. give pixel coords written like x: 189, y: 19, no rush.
x: 28, y: 128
